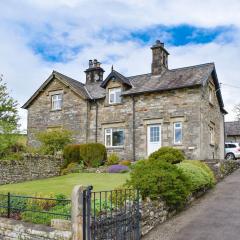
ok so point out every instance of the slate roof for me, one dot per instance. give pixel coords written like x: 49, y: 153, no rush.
x: 170, y: 79
x: 232, y: 128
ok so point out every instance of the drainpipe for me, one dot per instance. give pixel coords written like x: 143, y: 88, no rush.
x: 96, y: 122
x: 133, y: 128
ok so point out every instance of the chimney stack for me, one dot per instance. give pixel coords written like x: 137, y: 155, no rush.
x: 94, y: 73
x: 159, y: 58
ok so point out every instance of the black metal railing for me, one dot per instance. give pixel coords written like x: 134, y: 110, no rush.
x: 36, y: 210
x: 111, y: 214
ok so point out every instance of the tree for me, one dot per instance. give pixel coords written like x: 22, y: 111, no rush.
x: 237, y: 111
x: 8, y: 120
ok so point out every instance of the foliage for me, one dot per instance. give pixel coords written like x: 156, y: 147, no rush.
x: 112, y: 159
x: 199, y: 177
x: 100, y: 206
x: 18, y: 204
x: 8, y: 119
x: 156, y: 179
x: 72, y: 168
x: 45, y: 218
x: 118, y: 169
x: 71, y: 153
x: 122, y: 195
x: 93, y: 154
x: 169, y: 154
x: 54, y: 140
x: 125, y: 163
x: 44, y: 202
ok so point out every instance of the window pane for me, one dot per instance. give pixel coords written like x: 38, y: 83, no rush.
x: 117, y: 138
x: 57, y: 102
x: 118, y: 97
x: 111, y: 98
x: 177, y: 133
x: 108, y: 140
x: 154, y: 134
x: 115, y: 95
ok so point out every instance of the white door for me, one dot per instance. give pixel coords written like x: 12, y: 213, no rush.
x: 153, y: 138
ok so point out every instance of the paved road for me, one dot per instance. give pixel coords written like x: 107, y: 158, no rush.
x: 216, y: 216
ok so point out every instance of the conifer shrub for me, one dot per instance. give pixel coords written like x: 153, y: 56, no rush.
x: 71, y: 153
x: 93, y: 154
x: 168, y: 154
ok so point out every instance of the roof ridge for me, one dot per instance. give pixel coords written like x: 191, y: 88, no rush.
x: 56, y: 72
x: 139, y: 75
x: 193, y: 66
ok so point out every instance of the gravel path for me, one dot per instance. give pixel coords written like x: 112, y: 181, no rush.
x: 216, y: 216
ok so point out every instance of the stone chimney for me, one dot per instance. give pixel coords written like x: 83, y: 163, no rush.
x: 94, y: 73
x: 159, y: 58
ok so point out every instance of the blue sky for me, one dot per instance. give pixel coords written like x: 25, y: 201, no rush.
x: 41, y: 35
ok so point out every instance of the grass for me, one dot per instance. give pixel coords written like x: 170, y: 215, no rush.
x: 65, y: 184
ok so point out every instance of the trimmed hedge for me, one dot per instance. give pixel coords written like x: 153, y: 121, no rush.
x: 199, y: 177
x: 71, y: 153
x: 156, y: 179
x: 168, y: 154
x: 93, y: 154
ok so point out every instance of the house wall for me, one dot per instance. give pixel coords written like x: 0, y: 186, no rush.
x: 211, y: 116
x: 71, y: 117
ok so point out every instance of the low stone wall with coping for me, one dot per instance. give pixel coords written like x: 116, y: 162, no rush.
x: 29, y: 168
x: 12, y: 229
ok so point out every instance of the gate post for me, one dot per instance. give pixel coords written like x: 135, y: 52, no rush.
x: 77, y: 213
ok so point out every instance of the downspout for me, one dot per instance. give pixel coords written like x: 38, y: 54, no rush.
x: 96, y: 121
x: 133, y: 128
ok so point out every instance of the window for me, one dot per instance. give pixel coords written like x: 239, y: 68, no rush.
x: 114, y: 137
x: 177, y: 133
x: 57, y: 102
x: 211, y: 94
x: 212, y: 137
x: 115, y: 95
x: 154, y: 134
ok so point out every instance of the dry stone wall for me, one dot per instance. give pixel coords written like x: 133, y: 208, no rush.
x: 29, y: 168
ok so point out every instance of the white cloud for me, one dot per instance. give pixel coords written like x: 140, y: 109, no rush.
x: 86, y: 23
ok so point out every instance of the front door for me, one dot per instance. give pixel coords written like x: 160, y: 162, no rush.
x: 153, y: 138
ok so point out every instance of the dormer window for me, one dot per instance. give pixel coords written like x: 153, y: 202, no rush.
x: 57, y: 101
x: 115, y: 95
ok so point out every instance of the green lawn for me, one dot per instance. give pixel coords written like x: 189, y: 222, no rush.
x: 65, y: 184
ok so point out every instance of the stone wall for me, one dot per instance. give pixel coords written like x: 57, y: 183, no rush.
x: 29, y: 168
x: 12, y: 229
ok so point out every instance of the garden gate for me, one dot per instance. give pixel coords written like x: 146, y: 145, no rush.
x: 111, y: 215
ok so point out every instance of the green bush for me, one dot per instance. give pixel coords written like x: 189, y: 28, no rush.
x: 125, y: 163
x: 93, y: 154
x: 168, y: 154
x: 199, y: 177
x: 54, y: 140
x: 45, y: 218
x: 112, y: 159
x: 71, y: 153
x: 156, y: 179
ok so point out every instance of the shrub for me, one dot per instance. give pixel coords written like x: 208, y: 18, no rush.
x: 118, y: 169
x: 169, y: 154
x: 93, y: 154
x: 112, y: 159
x: 199, y: 177
x: 44, y: 218
x: 71, y: 153
x: 54, y: 140
x: 72, y: 168
x: 156, y: 179
x: 125, y: 163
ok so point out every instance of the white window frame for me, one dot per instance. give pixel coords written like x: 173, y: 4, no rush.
x: 56, y: 98
x: 212, y: 135
x: 109, y: 132
x: 114, y: 91
x: 175, y: 127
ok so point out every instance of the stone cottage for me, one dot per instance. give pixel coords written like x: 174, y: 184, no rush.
x: 232, y: 131
x: 134, y: 116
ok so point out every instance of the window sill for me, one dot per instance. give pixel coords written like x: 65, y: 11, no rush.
x: 57, y: 110
x: 112, y: 104
x: 117, y: 147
